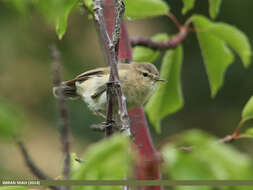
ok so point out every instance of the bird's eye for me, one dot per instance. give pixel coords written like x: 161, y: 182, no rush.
x: 145, y: 74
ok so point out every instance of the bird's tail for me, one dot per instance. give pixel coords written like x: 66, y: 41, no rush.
x: 66, y: 91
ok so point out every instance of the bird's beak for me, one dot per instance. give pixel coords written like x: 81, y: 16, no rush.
x: 159, y: 79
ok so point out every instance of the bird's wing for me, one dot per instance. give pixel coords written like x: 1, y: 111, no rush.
x: 86, y: 75
x: 99, y: 91
x: 100, y: 71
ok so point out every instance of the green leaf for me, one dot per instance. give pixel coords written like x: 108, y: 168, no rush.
x: 188, y: 5
x: 247, y: 112
x: 167, y: 99
x: 207, y: 159
x: 144, y: 54
x: 217, y: 56
x: 136, y: 9
x: 249, y: 132
x: 89, y: 5
x: 108, y: 159
x: 13, y: 188
x: 61, y: 24
x: 57, y: 12
x: 11, y: 120
x: 235, y: 38
x: 214, y: 8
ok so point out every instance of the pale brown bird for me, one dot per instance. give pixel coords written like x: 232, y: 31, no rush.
x: 138, y: 81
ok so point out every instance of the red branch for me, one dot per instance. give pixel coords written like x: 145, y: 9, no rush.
x: 147, y: 166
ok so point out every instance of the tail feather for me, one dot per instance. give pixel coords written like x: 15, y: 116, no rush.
x: 65, y: 91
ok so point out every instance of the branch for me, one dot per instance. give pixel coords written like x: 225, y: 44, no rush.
x: 31, y: 165
x: 173, y: 43
x: 111, y: 46
x: 234, y: 136
x: 142, y: 141
x: 63, y: 116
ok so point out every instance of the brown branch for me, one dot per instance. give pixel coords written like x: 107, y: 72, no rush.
x: 63, y: 117
x: 111, y: 46
x: 234, y: 136
x: 31, y: 165
x: 170, y: 44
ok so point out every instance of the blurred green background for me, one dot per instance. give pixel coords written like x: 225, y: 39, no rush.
x: 26, y: 82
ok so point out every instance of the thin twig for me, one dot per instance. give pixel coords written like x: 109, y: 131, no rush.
x: 234, y: 136
x: 170, y: 44
x: 31, y: 165
x: 111, y: 45
x: 236, y: 132
x: 174, y: 20
x: 63, y: 117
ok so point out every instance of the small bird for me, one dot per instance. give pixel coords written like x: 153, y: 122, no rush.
x: 138, y: 82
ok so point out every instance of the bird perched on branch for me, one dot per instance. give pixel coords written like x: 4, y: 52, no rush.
x: 138, y: 82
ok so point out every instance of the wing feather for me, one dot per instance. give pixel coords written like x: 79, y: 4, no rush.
x: 86, y: 75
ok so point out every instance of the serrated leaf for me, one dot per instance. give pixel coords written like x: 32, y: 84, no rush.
x: 167, y: 98
x: 188, y: 5
x: 235, y: 38
x: 13, y: 188
x: 214, y: 8
x: 207, y: 159
x: 136, y: 9
x: 109, y: 159
x: 247, y: 112
x: 144, y: 54
x: 11, y: 120
x: 217, y: 56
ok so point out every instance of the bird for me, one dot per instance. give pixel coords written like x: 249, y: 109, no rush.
x: 138, y: 83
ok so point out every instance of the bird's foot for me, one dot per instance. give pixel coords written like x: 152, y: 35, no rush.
x: 102, y: 126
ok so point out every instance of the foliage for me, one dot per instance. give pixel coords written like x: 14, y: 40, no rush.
x: 168, y: 97
x: 214, y: 39
x: 188, y: 5
x: 152, y: 8
x: 57, y: 12
x: 100, y: 160
x: 144, y: 54
x: 214, y: 8
x: 247, y: 112
x: 205, y: 159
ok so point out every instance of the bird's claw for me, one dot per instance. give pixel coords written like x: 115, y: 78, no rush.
x: 102, y: 126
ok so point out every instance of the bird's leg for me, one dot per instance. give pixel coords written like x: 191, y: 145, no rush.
x: 102, y: 126
x: 110, y: 119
